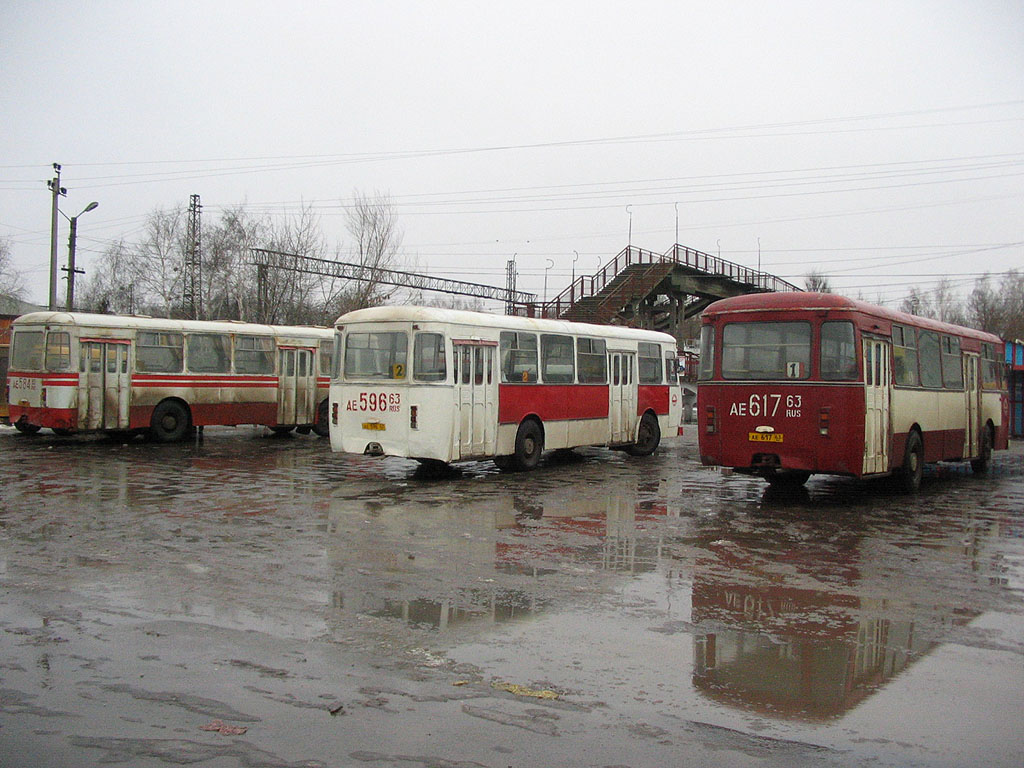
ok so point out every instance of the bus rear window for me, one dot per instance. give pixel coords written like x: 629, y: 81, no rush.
x: 27, y: 354
x: 838, y: 351
x: 376, y: 355
x: 58, y: 351
x: 765, y: 351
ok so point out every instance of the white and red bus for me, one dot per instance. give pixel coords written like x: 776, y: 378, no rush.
x: 792, y: 384
x: 75, y: 372
x: 443, y: 385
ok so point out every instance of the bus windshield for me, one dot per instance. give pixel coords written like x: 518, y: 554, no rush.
x: 763, y: 351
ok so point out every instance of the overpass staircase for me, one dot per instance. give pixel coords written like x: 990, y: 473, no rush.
x: 645, y: 289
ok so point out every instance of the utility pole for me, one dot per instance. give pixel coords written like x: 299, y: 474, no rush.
x: 57, y: 190
x: 193, y: 281
x: 71, y: 269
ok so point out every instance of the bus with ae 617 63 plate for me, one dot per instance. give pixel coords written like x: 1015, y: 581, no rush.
x: 794, y: 384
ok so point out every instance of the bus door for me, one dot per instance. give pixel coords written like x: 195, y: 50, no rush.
x: 104, y: 385
x: 622, y: 398
x: 476, y: 399
x: 877, y: 380
x: 296, y: 390
x: 972, y: 391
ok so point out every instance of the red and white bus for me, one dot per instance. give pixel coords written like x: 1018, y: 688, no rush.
x: 75, y: 372
x: 792, y: 384
x: 442, y: 385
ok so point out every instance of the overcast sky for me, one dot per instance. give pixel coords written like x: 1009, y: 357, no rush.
x: 881, y: 143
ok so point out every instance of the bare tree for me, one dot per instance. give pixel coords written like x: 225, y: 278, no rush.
x: 110, y: 287
x: 376, y: 242
x: 12, y: 288
x: 287, y: 294
x: 816, y: 281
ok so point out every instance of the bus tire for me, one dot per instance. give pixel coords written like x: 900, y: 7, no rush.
x: 170, y: 422
x: 504, y: 463
x: 529, y: 446
x: 792, y: 478
x: 910, y: 474
x: 648, y: 436
x: 322, y: 427
x: 981, y: 465
x: 25, y: 428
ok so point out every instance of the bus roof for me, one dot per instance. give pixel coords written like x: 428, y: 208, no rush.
x: 143, y: 323
x: 415, y: 314
x: 809, y: 301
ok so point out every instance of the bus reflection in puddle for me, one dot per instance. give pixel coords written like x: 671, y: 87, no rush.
x: 441, y: 566
x: 792, y: 652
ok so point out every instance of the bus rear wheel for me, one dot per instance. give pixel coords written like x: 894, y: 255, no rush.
x: 648, y: 437
x: 170, y: 422
x: 529, y: 446
x: 25, y: 428
x: 910, y: 474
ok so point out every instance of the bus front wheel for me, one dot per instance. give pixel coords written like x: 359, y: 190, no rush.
x: 529, y: 445
x: 912, y: 471
x: 981, y: 464
x: 25, y: 428
x: 322, y: 427
x: 170, y: 422
x: 648, y: 437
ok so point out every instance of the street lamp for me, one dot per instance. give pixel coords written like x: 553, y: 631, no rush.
x: 549, y: 266
x: 71, y: 254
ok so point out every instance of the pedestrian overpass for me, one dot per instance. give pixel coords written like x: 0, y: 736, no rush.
x: 652, y: 290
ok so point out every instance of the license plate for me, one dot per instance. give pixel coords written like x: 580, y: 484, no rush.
x: 372, y: 425
x: 765, y: 437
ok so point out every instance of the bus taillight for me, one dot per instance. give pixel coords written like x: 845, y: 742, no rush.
x: 334, y: 413
x: 413, y: 417
x: 824, y: 421
x: 711, y: 424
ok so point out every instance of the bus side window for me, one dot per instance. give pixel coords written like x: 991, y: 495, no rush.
x: 518, y: 357
x: 671, y: 367
x: 326, y: 358
x: 904, y: 353
x: 159, y: 352
x: 429, y: 358
x: 649, y: 360
x: 931, y: 366
x: 556, y: 353
x: 592, y: 361
x: 838, y: 351
x: 706, y: 362
x: 209, y: 353
x: 952, y: 364
x: 254, y: 354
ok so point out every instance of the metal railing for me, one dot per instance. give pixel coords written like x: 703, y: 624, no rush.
x: 586, y: 286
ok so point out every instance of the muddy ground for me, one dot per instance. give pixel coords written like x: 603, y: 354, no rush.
x: 257, y: 601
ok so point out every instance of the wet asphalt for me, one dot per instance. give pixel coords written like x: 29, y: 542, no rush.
x: 248, y: 600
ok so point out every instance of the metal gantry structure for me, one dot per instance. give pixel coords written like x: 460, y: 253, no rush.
x: 264, y: 259
x: 193, y: 271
